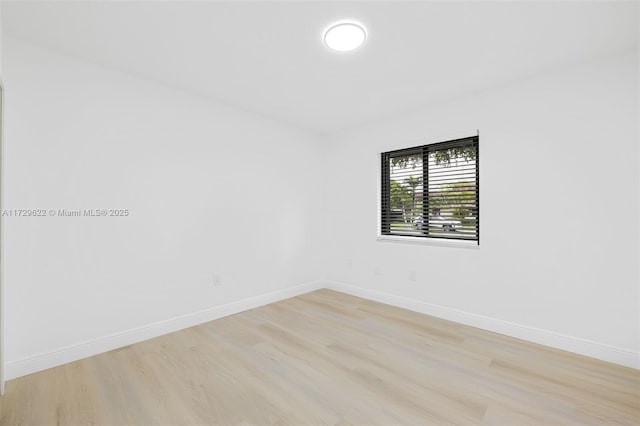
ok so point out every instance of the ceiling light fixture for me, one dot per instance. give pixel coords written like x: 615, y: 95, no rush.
x: 344, y: 36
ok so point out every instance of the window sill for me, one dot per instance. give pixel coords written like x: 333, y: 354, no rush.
x: 429, y: 241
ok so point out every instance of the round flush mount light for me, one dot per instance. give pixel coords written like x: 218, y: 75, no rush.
x: 344, y: 36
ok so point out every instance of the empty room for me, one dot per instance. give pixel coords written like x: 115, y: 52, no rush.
x: 319, y: 213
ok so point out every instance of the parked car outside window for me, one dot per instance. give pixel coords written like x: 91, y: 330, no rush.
x: 438, y: 222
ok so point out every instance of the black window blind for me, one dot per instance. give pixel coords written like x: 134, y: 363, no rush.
x: 432, y: 191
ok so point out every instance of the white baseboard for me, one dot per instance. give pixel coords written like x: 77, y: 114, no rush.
x: 107, y: 343
x: 576, y: 345
x: 97, y: 346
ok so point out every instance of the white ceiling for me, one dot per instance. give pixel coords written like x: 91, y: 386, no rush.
x: 269, y: 58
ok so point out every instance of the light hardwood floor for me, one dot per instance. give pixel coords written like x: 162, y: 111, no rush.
x: 328, y: 358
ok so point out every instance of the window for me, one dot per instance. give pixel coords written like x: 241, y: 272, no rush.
x: 432, y: 191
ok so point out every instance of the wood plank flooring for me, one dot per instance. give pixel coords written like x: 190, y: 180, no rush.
x: 328, y: 358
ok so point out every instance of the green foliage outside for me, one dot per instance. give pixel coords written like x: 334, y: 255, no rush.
x: 403, y: 197
x: 442, y: 157
x: 458, y: 198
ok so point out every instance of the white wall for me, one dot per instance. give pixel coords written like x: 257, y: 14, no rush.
x: 210, y: 189
x: 559, y: 211
x: 215, y: 190
x: 2, y: 375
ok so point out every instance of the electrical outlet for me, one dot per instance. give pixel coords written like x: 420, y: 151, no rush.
x: 217, y: 280
x: 376, y: 271
x: 349, y: 264
x: 412, y: 275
